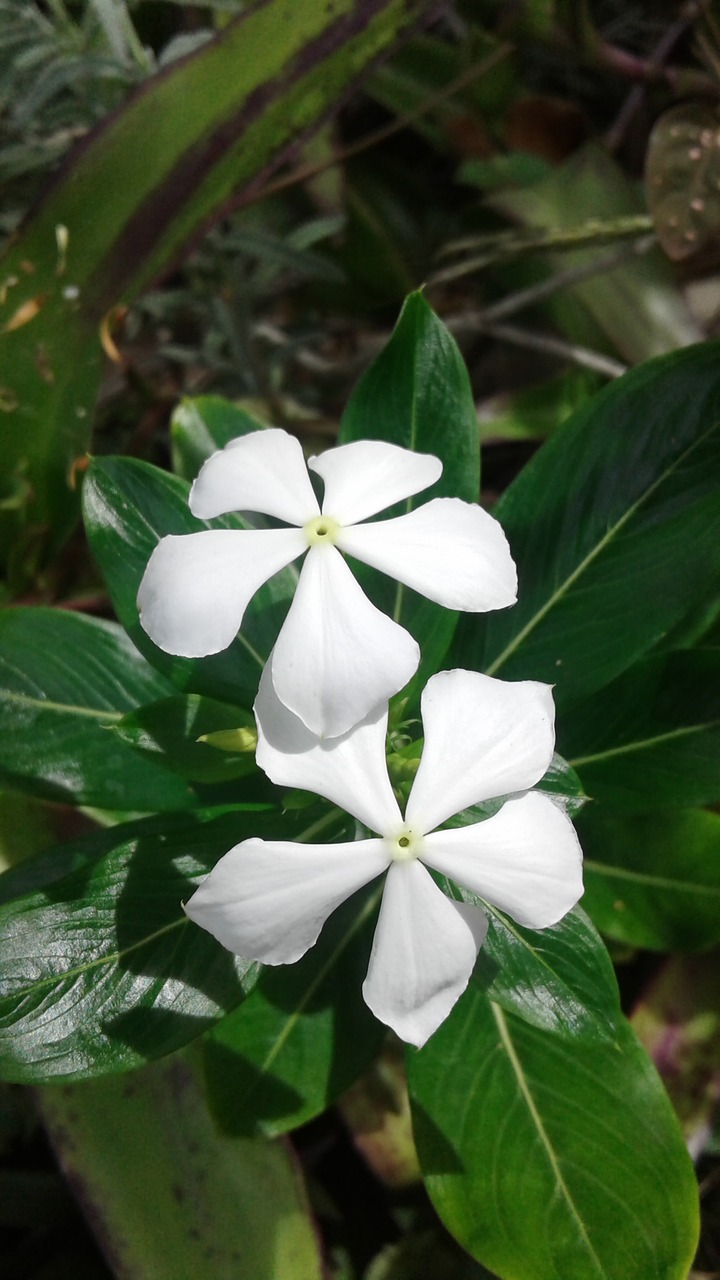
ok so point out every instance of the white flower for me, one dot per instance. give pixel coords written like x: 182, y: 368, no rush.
x: 484, y: 738
x: 337, y: 657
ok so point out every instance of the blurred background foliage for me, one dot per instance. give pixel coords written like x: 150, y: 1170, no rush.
x: 549, y: 169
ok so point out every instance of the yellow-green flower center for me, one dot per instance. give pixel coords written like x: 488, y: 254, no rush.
x: 322, y: 529
x: 404, y: 846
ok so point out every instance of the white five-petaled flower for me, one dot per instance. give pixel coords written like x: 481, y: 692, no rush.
x: 484, y: 739
x: 337, y: 657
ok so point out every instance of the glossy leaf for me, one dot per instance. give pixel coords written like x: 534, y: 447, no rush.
x: 171, y: 732
x: 65, y: 679
x: 651, y: 880
x: 128, y: 506
x: 101, y: 970
x: 615, y: 527
x: 213, y: 125
x: 651, y: 738
x: 302, y: 1037
x: 558, y: 979
x: 202, y: 425
x: 417, y: 394
x: 562, y: 782
x: 415, y: 391
x: 548, y: 1159
x: 197, y: 1205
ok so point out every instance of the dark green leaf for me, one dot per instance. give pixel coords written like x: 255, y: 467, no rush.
x: 201, y: 426
x: 169, y: 732
x: 128, y: 506
x: 651, y: 739
x: 549, y: 1159
x: 302, y: 1037
x: 562, y: 782
x: 558, y: 979
x: 101, y: 970
x: 417, y: 394
x: 652, y: 880
x: 615, y: 527
x: 53, y: 863
x: 195, y: 1203
x: 64, y: 680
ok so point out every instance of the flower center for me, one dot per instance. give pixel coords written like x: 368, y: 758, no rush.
x: 405, y: 846
x: 322, y: 529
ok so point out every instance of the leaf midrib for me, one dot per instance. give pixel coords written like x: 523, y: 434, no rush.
x: 592, y: 555
x: 642, y: 744
x: 61, y: 708
x: 112, y: 957
x: 525, y: 1090
x: 320, y: 976
x: 612, y: 871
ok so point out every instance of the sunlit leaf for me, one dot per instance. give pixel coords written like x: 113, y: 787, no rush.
x: 545, y: 1158
x: 65, y: 680
x: 417, y: 394
x: 128, y: 507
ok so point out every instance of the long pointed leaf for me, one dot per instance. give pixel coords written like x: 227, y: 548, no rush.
x: 615, y: 527
x: 64, y: 680
x: 550, y: 1161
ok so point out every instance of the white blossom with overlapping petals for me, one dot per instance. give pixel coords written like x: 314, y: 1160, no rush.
x: 483, y: 739
x: 337, y: 657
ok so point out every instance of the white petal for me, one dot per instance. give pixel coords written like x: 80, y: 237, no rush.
x: 197, y: 587
x: 349, y: 770
x: 369, y: 475
x: 338, y: 657
x: 263, y: 471
x: 526, y: 860
x: 483, y: 738
x: 268, y: 900
x: 423, y: 953
x: 450, y: 551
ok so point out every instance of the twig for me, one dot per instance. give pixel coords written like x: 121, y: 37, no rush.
x: 566, y: 279
x: 656, y: 61
x: 475, y: 322
x: 511, y: 244
x: 466, y: 325
x: 305, y: 172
